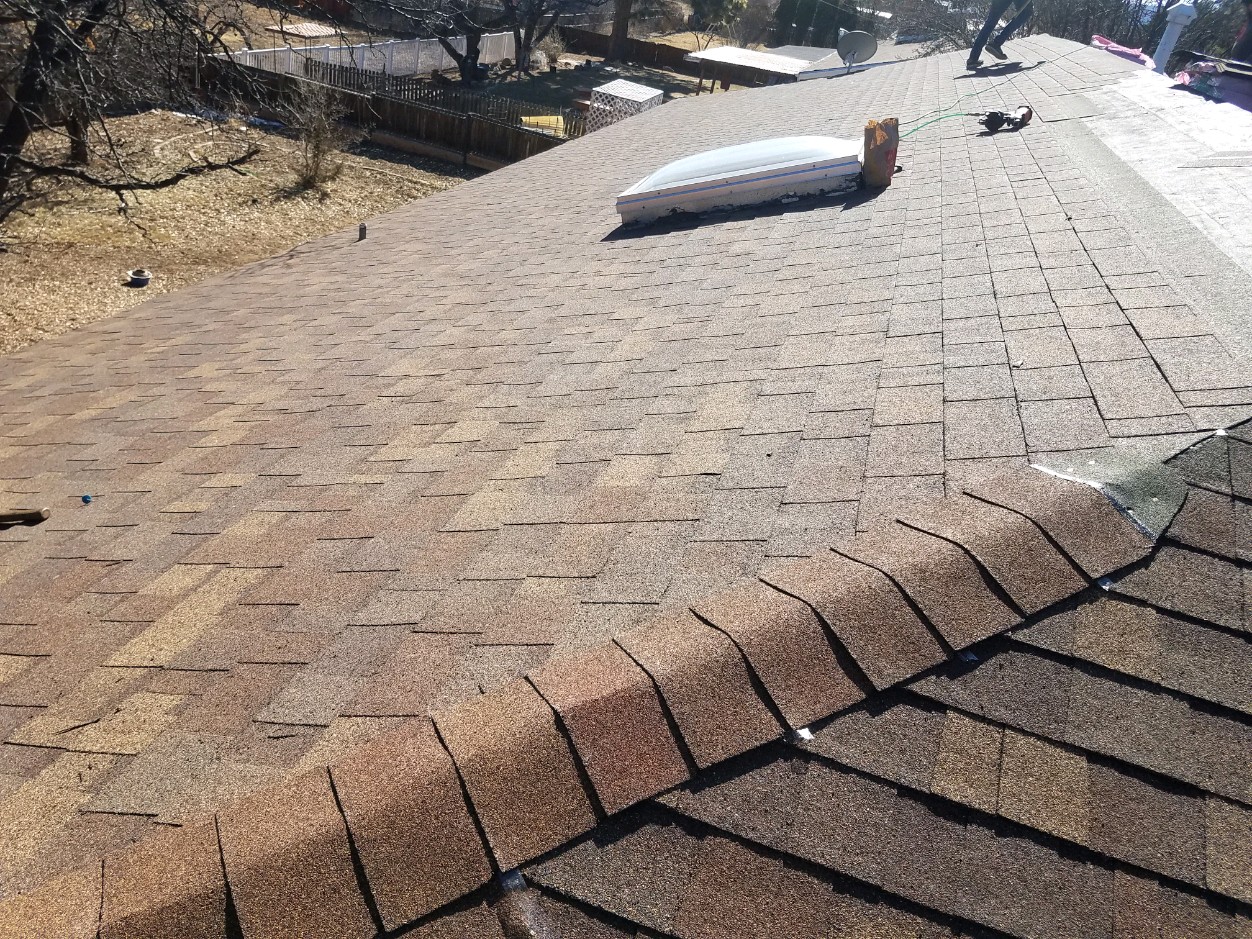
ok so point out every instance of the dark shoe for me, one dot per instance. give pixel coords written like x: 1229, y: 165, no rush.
x: 995, y: 50
x: 972, y: 65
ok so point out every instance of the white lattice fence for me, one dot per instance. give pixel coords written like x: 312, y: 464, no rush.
x: 398, y: 57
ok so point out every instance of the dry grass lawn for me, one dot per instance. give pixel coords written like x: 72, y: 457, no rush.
x: 64, y: 264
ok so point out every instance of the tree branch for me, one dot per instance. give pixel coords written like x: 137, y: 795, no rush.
x: 140, y: 185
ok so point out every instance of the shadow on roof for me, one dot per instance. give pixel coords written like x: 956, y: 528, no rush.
x: 1003, y: 68
x: 686, y: 221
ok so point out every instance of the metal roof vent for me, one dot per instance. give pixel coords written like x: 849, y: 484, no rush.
x: 742, y: 175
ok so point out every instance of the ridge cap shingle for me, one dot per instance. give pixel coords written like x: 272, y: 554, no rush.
x: 718, y: 682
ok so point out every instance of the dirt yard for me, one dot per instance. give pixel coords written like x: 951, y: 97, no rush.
x: 64, y: 265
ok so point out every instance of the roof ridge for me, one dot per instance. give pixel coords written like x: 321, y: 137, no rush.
x: 502, y: 779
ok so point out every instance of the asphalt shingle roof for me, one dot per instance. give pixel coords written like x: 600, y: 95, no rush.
x: 360, y: 484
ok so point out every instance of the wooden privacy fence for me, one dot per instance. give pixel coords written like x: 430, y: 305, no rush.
x: 638, y: 51
x: 460, y: 100
x: 469, y: 134
x: 474, y: 138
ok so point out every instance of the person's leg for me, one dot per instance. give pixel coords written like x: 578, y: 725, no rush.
x: 1016, y: 23
x: 993, y: 20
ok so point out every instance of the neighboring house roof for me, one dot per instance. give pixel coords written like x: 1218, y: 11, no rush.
x: 358, y: 484
x: 770, y: 62
x: 807, y: 53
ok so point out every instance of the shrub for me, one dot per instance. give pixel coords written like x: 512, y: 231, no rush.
x: 316, y: 115
x: 553, y: 45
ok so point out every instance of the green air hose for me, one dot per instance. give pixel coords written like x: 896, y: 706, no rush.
x: 933, y: 120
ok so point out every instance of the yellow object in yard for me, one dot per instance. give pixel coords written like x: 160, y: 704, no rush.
x: 553, y: 124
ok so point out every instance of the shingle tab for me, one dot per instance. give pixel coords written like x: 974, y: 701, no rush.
x: 939, y: 577
x: 897, y: 843
x: 704, y: 682
x: 786, y: 645
x: 1146, y: 909
x: 1152, y: 826
x: 1229, y: 833
x: 1209, y: 521
x: 1191, y: 583
x: 519, y: 771
x: 1206, y: 464
x: 1086, y: 525
x: 288, y: 863
x: 638, y: 870
x: 480, y: 922
x: 900, y: 743
x: 867, y: 613
x: 1045, y: 786
x: 66, y: 907
x: 1152, y: 645
x: 1152, y: 729
x: 763, y: 897
x: 410, y: 824
x: 1007, y: 545
x: 967, y: 766
x: 610, y: 707
x: 169, y: 885
x: 760, y: 896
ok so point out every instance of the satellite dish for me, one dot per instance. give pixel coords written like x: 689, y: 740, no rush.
x: 856, y: 47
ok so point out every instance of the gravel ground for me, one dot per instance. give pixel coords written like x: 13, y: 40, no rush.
x: 64, y: 264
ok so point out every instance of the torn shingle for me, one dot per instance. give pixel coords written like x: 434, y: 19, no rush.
x: 1091, y: 532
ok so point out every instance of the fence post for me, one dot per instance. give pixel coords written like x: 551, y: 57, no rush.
x: 465, y: 141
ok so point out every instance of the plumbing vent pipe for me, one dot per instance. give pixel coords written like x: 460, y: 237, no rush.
x: 1178, y: 16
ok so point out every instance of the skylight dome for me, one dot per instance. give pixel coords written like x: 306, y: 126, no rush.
x: 745, y: 174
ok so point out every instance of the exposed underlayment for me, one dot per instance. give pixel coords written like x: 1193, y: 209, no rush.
x: 346, y: 489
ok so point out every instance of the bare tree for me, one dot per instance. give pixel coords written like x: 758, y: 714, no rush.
x: 754, y: 24
x: 66, y: 64
x: 471, y: 20
x: 711, y: 19
x: 531, y: 21
x: 619, y: 39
